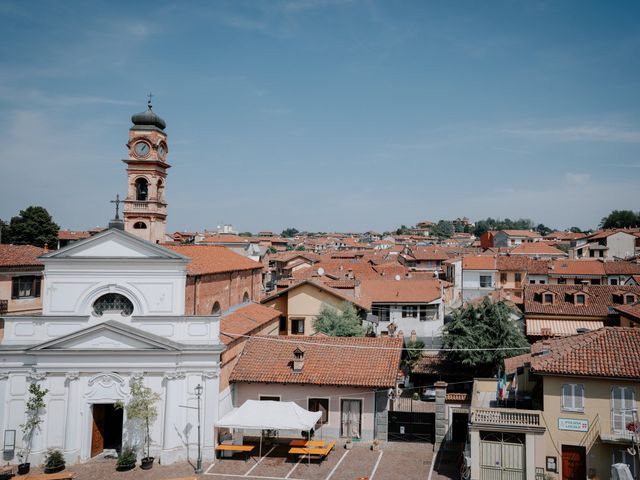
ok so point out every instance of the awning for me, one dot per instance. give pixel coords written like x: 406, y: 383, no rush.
x: 270, y: 415
x: 559, y: 328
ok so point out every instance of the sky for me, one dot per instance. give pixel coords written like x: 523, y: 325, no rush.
x: 325, y: 115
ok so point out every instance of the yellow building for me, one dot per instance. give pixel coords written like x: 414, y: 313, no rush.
x: 579, y: 395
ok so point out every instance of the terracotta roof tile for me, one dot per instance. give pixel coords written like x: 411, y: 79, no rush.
x: 245, y: 320
x: 20, y: 255
x: 577, y: 267
x: 612, y: 352
x: 479, y: 262
x: 209, y: 259
x: 337, y: 361
x: 72, y: 235
x: 522, y: 233
x: 402, y: 291
x: 537, y: 248
x: 621, y: 268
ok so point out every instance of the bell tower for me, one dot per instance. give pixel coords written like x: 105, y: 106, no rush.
x: 145, y: 208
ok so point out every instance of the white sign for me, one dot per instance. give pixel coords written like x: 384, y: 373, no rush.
x: 573, y: 424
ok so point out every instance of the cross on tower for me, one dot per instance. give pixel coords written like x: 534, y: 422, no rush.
x: 149, y: 96
x: 117, y: 202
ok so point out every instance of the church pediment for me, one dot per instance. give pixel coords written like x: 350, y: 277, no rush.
x: 113, y: 243
x: 110, y: 335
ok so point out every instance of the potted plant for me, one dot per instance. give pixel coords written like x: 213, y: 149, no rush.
x: 54, y: 461
x: 126, y: 459
x: 375, y: 445
x: 142, y: 408
x: 348, y: 443
x: 35, y: 403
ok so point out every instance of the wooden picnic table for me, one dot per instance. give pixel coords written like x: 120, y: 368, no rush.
x: 64, y: 475
x: 301, y: 442
x: 246, y: 449
x: 313, y: 451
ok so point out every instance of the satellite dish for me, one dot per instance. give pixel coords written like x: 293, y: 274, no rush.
x: 435, y: 274
x: 321, y: 271
x: 397, y: 277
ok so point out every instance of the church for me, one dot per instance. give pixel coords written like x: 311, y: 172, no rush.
x: 113, y: 313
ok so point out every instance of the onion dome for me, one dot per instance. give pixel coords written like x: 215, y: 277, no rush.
x: 148, y: 119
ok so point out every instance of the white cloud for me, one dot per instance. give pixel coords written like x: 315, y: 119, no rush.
x: 588, y: 133
x: 577, y: 178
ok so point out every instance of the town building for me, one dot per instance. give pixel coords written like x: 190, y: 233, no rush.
x: 513, y: 238
x: 479, y: 274
x: 20, y: 279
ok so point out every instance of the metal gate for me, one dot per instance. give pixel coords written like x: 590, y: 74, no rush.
x: 411, y: 427
x: 502, y: 456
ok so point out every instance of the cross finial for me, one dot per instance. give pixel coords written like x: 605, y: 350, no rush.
x: 117, y: 202
x: 149, y: 96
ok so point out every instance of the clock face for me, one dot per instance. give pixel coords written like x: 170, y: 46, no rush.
x: 161, y: 151
x: 142, y: 149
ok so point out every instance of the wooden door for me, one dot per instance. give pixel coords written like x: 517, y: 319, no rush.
x: 574, y: 464
x: 97, y: 436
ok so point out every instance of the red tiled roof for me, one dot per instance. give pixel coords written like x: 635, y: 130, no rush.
x: 337, y: 361
x: 213, y: 259
x: 402, y: 291
x: 538, y: 267
x: 612, y: 352
x: 428, y: 253
x: 225, y: 239
x: 607, y: 233
x: 632, y: 311
x: 72, y: 235
x: 317, y: 282
x: 245, y: 320
x: 598, y: 299
x: 20, y: 255
x: 522, y: 233
x: 577, y: 267
x: 479, y: 262
x: 537, y: 248
x: 621, y: 268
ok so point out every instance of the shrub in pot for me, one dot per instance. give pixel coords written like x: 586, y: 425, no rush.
x: 33, y: 410
x: 126, y: 459
x: 54, y: 461
x: 142, y: 408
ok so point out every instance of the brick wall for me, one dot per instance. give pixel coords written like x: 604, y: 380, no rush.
x: 226, y: 288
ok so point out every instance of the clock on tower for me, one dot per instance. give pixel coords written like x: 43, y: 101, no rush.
x: 145, y: 208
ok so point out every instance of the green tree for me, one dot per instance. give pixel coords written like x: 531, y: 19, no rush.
x: 335, y: 324
x: 483, y: 226
x: 142, y: 407
x: 575, y: 230
x: 443, y: 229
x: 246, y: 234
x: 621, y: 219
x: 413, y: 353
x: 289, y: 232
x: 300, y: 248
x: 272, y: 250
x: 4, y: 232
x: 543, y: 230
x: 488, y: 326
x: 403, y: 230
x: 34, y: 226
x: 33, y: 410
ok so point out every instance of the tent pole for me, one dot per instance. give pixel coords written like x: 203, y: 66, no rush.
x: 309, y: 456
x: 260, y: 445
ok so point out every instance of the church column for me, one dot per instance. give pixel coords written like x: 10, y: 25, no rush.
x: 209, y: 412
x: 37, y: 442
x: 71, y: 451
x: 172, y: 411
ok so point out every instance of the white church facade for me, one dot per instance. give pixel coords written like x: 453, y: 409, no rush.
x: 113, y: 314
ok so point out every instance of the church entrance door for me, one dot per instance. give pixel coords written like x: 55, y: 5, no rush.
x: 107, y: 428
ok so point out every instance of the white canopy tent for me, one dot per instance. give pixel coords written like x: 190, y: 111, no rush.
x: 270, y: 415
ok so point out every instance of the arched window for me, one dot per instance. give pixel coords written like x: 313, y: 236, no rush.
x: 113, y: 303
x: 160, y: 190
x: 216, y: 309
x: 245, y: 297
x: 142, y: 189
x: 140, y: 226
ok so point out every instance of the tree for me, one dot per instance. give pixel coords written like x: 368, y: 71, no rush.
x: 488, y: 326
x: 34, y: 226
x: 272, y: 249
x: 4, y: 232
x: 543, y: 230
x: 335, y: 324
x: 33, y: 410
x: 621, y: 219
x: 443, y: 229
x: 300, y: 248
x: 403, y: 230
x: 413, y: 355
x: 289, y: 232
x: 575, y: 230
x: 246, y: 234
x: 483, y: 226
x: 142, y: 407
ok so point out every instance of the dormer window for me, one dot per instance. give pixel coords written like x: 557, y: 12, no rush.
x: 298, y: 360
x: 629, y: 299
x: 580, y: 299
x: 547, y: 298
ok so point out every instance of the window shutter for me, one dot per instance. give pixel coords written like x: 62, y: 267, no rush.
x: 15, y: 287
x: 579, y: 397
x: 566, y: 394
x: 37, y: 284
x: 616, y: 398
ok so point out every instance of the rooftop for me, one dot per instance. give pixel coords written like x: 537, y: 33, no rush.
x: 19, y: 255
x: 209, y: 259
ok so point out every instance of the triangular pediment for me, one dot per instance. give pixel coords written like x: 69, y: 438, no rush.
x: 109, y: 336
x: 113, y: 243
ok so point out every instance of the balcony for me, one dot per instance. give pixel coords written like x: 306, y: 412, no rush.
x: 139, y: 206
x: 506, y: 417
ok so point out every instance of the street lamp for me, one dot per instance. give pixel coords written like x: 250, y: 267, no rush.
x: 199, y: 462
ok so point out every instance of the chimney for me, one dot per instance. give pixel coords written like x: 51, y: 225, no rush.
x: 414, y: 336
x: 298, y: 360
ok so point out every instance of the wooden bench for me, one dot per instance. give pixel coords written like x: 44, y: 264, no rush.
x: 246, y: 449
x: 301, y: 442
x: 313, y: 451
x: 48, y: 476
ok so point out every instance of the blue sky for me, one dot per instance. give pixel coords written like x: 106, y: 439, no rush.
x: 326, y: 114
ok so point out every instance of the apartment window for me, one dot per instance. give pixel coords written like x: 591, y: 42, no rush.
x: 595, y: 281
x: 532, y: 282
x: 518, y: 277
x: 547, y: 298
x: 542, y: 282
x: 485, y: 281
x: 410, y: 311
x: 320, y: 405
x: 573, y: 397
x: 613, y: 281
x: 622, y: 406
x: 580, y: 299
x: 269, y: 398
x: 622, y: 455
x: 25, y: 286
x: 503, y: 278
x: 629, y: 299
x: 382, y: 312
x: 297, y: 326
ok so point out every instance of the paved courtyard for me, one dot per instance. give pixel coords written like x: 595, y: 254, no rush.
x: 407, y: 461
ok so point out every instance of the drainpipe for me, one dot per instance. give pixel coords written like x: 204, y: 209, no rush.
x: 196, y: 280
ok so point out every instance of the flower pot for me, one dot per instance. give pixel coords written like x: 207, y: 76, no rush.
x: 54, y: 468
x: 23, y: 468
x: 146, y: 463
x: 348, y: 445
x: 125, y: 467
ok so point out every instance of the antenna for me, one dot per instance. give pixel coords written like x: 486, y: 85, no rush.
x: 397, y: 277
x: 321, y: 271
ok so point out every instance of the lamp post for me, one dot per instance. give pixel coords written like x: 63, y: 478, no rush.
x: 199, y: 462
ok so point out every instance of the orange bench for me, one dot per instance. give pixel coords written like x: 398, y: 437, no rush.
x: 313, y: 451
x: 246, y: 449
x: 301, y: 442
x: 48, y: 476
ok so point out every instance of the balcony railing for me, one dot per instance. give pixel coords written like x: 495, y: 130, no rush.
x: 507, y: 417
x: 4, y: 306
x: 140, y: 205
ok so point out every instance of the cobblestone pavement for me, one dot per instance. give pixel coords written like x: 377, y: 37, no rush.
x: 405, y: 461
